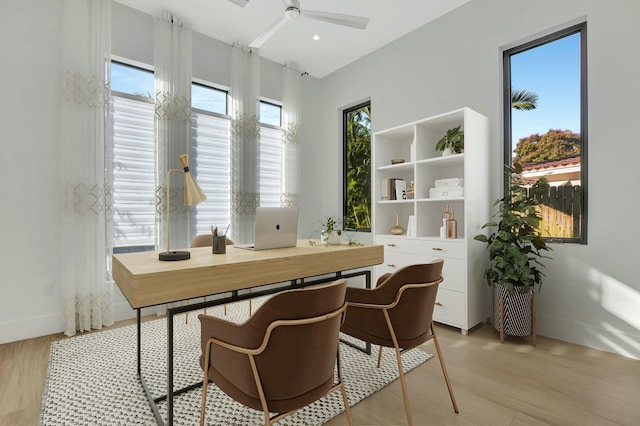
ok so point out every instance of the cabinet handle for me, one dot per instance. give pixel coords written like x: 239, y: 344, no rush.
x: 439, y: 304
x: 436, y: 249
x: 391, y: 265
x: 391, y: 245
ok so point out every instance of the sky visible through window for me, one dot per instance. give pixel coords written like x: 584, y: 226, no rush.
x: 552, y: 71
x: 136, y: 81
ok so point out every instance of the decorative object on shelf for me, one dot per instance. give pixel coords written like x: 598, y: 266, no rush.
x: 411, y: 192
x: 330, y: 233
x: 193, y: 195
x: 452, y: 226
x: 397, y: 229
x: 515, y: 250
x: 447, y: 188
x: 449, y: 228
x: 397, y: 160
x: 411, y: 226
x: 452, y: 142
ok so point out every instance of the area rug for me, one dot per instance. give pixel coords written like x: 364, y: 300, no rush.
x: 92, y: 380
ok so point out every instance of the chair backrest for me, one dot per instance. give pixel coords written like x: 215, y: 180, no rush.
x: 410, y: 295
x: 297, y: 365
x: 205, y: 240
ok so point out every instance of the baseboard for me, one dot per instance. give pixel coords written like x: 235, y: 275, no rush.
x: 604, y: 339
x: 28, y: 328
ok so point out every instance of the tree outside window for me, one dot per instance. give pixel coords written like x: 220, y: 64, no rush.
x: 357, y: 168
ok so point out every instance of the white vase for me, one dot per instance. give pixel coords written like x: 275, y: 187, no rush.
x: 332, y: 238
x: 446, y: 152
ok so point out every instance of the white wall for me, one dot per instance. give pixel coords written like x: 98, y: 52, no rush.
x: 591, y: 295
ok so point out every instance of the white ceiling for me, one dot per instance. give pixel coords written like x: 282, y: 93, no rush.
x: 337, y: 46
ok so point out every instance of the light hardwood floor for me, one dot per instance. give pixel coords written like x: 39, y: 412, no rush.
x: 555, y: 383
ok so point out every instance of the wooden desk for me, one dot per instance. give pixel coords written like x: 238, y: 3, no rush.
x: 146, y: 281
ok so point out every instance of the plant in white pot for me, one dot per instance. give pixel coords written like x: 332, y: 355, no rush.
x: 452, y: 142
x: 330, y: 234
x: 515, y: 252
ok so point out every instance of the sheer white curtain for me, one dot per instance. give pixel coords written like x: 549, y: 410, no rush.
x: 85, y: 140
x: 172, y: 62
x: 245, y: 134
x: 292, y: 105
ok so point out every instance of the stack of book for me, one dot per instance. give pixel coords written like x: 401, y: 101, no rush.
x: 393, y: 189
x: 447, y: 188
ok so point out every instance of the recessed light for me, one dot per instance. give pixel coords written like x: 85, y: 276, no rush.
x: 316, y: 37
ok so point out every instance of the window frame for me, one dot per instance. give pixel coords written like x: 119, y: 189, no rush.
x: 345, y: 184
x: 580, y: 28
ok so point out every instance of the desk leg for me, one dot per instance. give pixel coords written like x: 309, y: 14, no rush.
x: 139, y: 342
x: 169, y: 367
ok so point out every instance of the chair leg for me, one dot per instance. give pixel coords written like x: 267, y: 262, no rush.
x: 444, y: 372
x: 343, y: 390
x: 403, y: 382
x: 205, y: 383
x: 379, y: 356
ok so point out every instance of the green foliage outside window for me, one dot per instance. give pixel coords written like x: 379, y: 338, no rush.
x: 357, y: 135
x: 553, y: 145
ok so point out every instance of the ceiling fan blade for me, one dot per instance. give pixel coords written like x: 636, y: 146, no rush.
x: 353, y: 21
x: 241, y: 3
x: 262, y: 38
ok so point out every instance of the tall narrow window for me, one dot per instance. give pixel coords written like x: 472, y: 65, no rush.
x: 211, y: 156
x: 545, y: 99
x: 357, y: 168
x: 134, y: 227
x: 271, y: 155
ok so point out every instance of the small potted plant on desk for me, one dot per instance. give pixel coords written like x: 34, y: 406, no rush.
x: 515, y: 250
x: 330, y: 233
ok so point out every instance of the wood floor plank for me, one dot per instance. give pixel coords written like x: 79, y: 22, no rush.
x: 511, y: 384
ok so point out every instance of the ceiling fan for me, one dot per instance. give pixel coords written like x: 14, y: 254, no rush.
x: 293, y: 11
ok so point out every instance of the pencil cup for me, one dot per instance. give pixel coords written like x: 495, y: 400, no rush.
x: 219, y: 244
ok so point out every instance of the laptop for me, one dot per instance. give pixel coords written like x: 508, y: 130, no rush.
x: 276, y: 227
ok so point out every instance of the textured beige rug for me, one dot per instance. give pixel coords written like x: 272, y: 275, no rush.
x: 91, y: 379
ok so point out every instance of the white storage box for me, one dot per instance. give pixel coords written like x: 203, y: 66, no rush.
x: 441, y: 183
x: 446, y: 192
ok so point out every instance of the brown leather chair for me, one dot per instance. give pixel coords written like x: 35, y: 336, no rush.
x: 283, y: 357
x: 398, y: 313
x: 206, y: 240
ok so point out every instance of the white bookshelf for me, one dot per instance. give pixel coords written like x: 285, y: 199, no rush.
x: 463, y: 299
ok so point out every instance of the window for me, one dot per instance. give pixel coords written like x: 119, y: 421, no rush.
x: 134, y: 174
x: 134, y: 227
x: 357, y: 168
x: 211, y: 156
x: 545, y: 99
x: 271, y: 155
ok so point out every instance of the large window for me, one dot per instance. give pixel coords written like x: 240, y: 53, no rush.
x: 545, y: 99
x: 134, y: 174
x: 357, y: 168
x: 134, y: 156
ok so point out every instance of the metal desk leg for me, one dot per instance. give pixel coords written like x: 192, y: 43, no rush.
x: 169, y: 367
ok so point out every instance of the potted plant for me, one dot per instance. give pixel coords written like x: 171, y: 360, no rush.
x: 452, y: 142
x: 515, y: 253
x: 330, y: 233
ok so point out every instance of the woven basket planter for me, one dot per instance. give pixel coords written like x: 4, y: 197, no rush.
x: 514, y: 314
